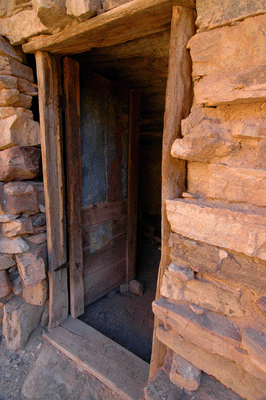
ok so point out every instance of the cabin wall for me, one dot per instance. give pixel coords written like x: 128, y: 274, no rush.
x: 23, y: 252
x: 213, y: 294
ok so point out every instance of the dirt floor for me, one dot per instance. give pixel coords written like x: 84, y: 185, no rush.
x: 127, y: 318
x: 41, y: 372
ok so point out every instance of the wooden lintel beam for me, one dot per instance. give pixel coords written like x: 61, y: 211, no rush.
x: 132, y: 20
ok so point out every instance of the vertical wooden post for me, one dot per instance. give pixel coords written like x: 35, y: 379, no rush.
x: 177, y: 107
x: 133, y: 178
x: 74, y: 185
x: 48, y: 75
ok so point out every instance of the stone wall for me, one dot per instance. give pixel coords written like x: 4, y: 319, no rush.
x: 213, y: 300
x: 23, y: 258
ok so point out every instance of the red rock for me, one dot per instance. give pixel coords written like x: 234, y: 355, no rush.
x: 17, y: 227
x: 21, y: 197
x: 5, y: 284
x: 32, y: 265
x: 19, y: 163
x: 20, y: 319
x: 36, y: 295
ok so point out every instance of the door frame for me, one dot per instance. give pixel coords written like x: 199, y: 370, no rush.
x: 178, y: 92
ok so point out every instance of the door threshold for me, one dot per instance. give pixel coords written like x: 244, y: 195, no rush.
x: 119, y: 369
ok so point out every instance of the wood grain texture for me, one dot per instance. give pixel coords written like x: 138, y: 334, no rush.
x: 133, y: 175
x: 104, y: 280
x: 113, y: 365
x: 48, y: 73
x: 103, y: 212
x: 73, y: 168
x: 134, y: 19
x: 177, y: 107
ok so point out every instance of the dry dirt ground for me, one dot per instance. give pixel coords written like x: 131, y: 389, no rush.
x: 41, y: 372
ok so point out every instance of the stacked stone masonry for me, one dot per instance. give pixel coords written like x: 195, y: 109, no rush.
x: 213, y: 303
x: 23, y: 251
x: 213, y: 296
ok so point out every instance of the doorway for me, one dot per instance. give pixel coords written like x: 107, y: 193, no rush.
x: 104, y: 146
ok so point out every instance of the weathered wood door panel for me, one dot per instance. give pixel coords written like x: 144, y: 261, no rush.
x: 106, y: 115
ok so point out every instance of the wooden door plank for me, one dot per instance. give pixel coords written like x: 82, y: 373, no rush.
x: 133, y: 177
x: 100, y: 259
x: 177, y: 107
x: 103, y: 212
x: 48, y: 74
x: 104, y: 280
x: 135, y: 19
x: 118, y: 228
x: 74, y: 186
x: 116, y: 367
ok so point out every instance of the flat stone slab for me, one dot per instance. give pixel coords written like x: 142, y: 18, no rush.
x: 113, y: 365
x: 55, y: 376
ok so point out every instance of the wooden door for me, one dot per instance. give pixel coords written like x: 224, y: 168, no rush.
x: 102, y: 170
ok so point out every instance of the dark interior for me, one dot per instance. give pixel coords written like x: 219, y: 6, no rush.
x: 141, y: 64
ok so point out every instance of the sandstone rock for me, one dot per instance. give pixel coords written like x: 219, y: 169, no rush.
x: 83, y: 9
x: 36, y: 295
x: 39, y: 238
x: 184, y: 374
x: 19, y: 27
x: 197, y: 309
x: 40, y: 220
x: 226, y: 371
x: 20, y: 163
x: 209, y: 331
x: 7, y: 50
x: 9, y: 7
x: 219, y: 224
x: 110, y: 4
x: 136, y: 287
x: 202, y: 148
x: 17, y: 227
x: 222, y: 73
x: 9, y: 97
x: 52, y: 13
x: 5, y: 284
x: 262, y: 303
x: 8, y: 82
x: 32, y: 266
x: 212, y: 331
x: 180, y: 272
x: 160, y: 387
x: 21, y: 197
x: 255, y: 343
x: 42, y: 208
x: 213, y: 14
x: 6, y: 112
x: 19, y: 130
x: 13, y: 246
x: 16, y: 282
x: 237, y: 268
x: 7, y: 217
x: 205, y: 137
x: 27, y: 87
x: 24, y: 100
x: 22, y: 85
x: 9, y: 66
x: 6, y: 262
x: 203, y: 294
x: 20, y: 319
x: 228, y: 183
x: 209, y: 389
